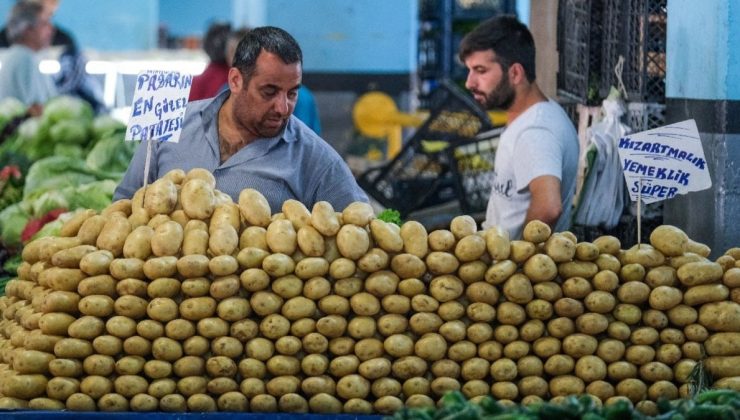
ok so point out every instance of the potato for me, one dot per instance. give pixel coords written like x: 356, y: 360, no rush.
x: 24, y: 387
x: 71, y: 348
x: 324, y: 219
x: 497, y: 243
x: 254, y: 207
x: 446, y: 287
x: 731, y: 278
x: 536, y: 232
x: 415, y: 239
x: 86, y: 327
x: 55, y: 323
x: 441, y: 263
x: 376, y: 259
x: 113, y: 235
x: 561, y: 249
x: 583, y: 269
x: 278, y: 265
x: 698, y: 248
x: 353, y: 386
x: 634, y: 389
x: 720, y: 316
x: 353, y: 242
x: 61, y: 279
x: 358, y: 213
x: 96, y: 263
x: 470, y: 248
x: 441, y: 240
x: 311, y: 267
x: 521, y: 251
x: 510, y: 313
x: 61, y: 388
x: 633, y: 292
x: 60, y: 301
x: 699, y: 273
x: 721, y: 344
x: 70, y: 257
x: 608, y: 262
x: 566, y: 385
x: 644, y: 255
x: 386, y: 237
x: 325, y: 403
x: 518, y: 289
x: 32, y: 361
x: 669, y: 240
x: 723, y: 366
x: 705, y: 293
x: 166, y: 287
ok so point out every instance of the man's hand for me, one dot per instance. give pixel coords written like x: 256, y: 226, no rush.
x: 545, y: 205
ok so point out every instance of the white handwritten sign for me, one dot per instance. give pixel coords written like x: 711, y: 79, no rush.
x: 659, y: 164
x: 160, y: 98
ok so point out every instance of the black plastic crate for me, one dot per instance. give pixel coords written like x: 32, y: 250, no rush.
x: 635, y: 30
x: 444, y: 160
x: 579, y: 48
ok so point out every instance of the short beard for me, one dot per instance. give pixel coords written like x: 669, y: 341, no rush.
x: 502, y: 96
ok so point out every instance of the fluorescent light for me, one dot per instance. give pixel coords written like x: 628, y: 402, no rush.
x: 135, y: 67
x: 49, y: 66
x: 99, y: 67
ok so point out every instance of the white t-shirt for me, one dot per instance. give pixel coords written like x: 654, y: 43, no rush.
x: 540, y: 141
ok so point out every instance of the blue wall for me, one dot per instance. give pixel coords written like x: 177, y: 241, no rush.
x: 106, y: 24
x: 351, y: 36
x: 192, y: 17
x: 336, y: 35
x: 703, y: 56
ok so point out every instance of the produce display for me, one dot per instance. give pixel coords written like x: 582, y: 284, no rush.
x: 182, y: 300
x: 50, y: 165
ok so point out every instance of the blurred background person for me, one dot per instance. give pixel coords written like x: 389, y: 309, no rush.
x: 29, y: 31
x: 213, y: 78
x: 60, y: 37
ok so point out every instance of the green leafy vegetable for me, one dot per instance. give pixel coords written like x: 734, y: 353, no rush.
x: 390, y: 216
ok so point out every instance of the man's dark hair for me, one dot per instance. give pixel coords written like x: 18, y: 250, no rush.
x: 214, y: 43
x: 509, y: 39
x: 271, y: 39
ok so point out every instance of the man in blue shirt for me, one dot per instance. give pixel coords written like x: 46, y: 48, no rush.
x: 248, y: 138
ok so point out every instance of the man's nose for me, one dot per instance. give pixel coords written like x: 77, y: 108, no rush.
x: 282, y: 104
x: 470, y: 81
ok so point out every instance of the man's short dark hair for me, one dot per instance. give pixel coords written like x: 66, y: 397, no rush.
x: 214, y: 43
x: 509, y: 39
x: 271, y: 39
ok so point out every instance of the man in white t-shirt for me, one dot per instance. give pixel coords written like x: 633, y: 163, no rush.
x: 537, y: 157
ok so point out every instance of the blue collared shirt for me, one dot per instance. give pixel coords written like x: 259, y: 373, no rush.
x: 296, y: 164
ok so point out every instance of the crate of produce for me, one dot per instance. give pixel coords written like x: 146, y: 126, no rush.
x: 450, y: 157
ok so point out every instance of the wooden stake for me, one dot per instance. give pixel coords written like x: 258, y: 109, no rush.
x: 639, y: 215
x: 148, y: 160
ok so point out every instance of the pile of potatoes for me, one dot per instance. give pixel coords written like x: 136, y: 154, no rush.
x: 182, y: 300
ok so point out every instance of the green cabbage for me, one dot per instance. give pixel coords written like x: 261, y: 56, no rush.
x: 12, y: 221
x: 10, y: 108
x: 105, y: 125
x: 70, y: 131
x: 66, y: 108
x: 111, y: 153
x: 57, y: 172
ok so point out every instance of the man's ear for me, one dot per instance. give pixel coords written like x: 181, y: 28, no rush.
x: 236, y: 80
x: 517, y: 74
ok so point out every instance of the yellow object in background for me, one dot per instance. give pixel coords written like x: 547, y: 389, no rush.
x: 375, y: 114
